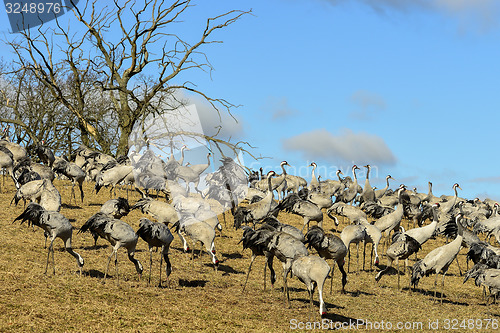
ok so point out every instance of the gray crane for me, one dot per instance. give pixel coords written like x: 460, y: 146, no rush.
x: 439, y: 260
x: 308, y: 210
x: 159, y: 210
x: 368, y: 194
x: 256, y: 241
x: 380, y: 193
x: 402, y: 247
x: 200, y: 168
x: 18, y: 151
x: 7, y: 163
x: 312, y: 271
x: 112, y: 177
x: 45, y: 154
x: 485, y: 276
x: 55, y: 225
x: 314, y: 184
x: 156, y: 235
x: 119, y: 234
x: 116, y: 208
x: 254, y: 212
x: 353, y: 233
x: 73, y: 172
x: 320, y: 199
x: 447, y: 207
x: 41, y: 191
x: 289, y: 229
x: 329, y: 246
x: 197, y: 231
x: 389, y: 222
x: 351, y: 191
x: 423, y: 234
x: 286, y: 248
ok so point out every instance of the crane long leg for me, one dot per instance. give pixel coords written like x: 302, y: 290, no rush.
x: 442, y: 288
x: 458, y: 264
x: 116, y: 266
x: 249, y: 269
x: 48, y: 256
x: 150, y: 263
x: 397, y: 264
x: 161, y: 261
x: 331, y: 279
x: 435, y: 285
x: 109, y: 260
x: 357, y: 257
x: 349, y: 258
x: 364, y: 254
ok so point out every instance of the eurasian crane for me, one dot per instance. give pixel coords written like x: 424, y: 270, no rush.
x: 439, y: 260
x: 156, y: 235
x: 329, y: 246
x: 119, y: 234
x: 55, y: 225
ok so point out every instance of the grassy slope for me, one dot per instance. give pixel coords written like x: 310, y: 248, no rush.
x: 198, y: 298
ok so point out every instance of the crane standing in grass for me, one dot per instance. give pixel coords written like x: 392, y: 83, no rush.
x: 329, y: 246
x: 55, y: 225
x: 439, y: 260
x: 118, y: 233
x: 156, y: 235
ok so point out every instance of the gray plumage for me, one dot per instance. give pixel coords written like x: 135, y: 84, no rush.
x: 197, y: 231
x: 45, y: 154
x: 438, y: 260
x: 7, y: 163
x: 40, y: 191
x: 112, y: 177
x: 329, y: 246
x: 353, y: 233
x: 402, y: 247
x: 73, y: 172
x: 289, y: 229
x: 159, y: 210
x: 55, y: 225
x: 156, y: 235
x: 308, y: 210
x: 118, y: 233
x: 485, y: 276
x: 312, y: 271
x: 254, y: 212
x: 256, y: 241
x: 286, y: 248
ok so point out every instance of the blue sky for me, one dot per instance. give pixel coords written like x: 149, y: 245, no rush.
x: 411, y: 87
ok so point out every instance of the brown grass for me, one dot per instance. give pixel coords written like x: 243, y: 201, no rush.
x: 198, y: 299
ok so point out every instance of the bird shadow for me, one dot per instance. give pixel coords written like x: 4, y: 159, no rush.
x: 234, y: 255
x: 192, y: 283
x: 227, y: 269
x: 94, y: 273
x: 68, y: 206
x: 316, y: 303
x: 357, y: 293
x: 92, y: 247
x: 336, y: 318
x: 439, y: 295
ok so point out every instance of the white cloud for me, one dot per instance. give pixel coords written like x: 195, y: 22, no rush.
x: 482, y: 13
x: 367, y: 104
x: 279, y: 108
x: 347, y: 146
x: 213, y: 121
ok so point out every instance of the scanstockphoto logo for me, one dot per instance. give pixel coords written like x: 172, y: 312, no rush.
x: 170, y: 153
x: 27, y: 14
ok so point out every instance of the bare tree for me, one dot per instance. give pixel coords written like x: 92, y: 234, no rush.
x: 136, y: 65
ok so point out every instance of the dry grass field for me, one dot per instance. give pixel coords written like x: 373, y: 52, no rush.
x: 199, y: 299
